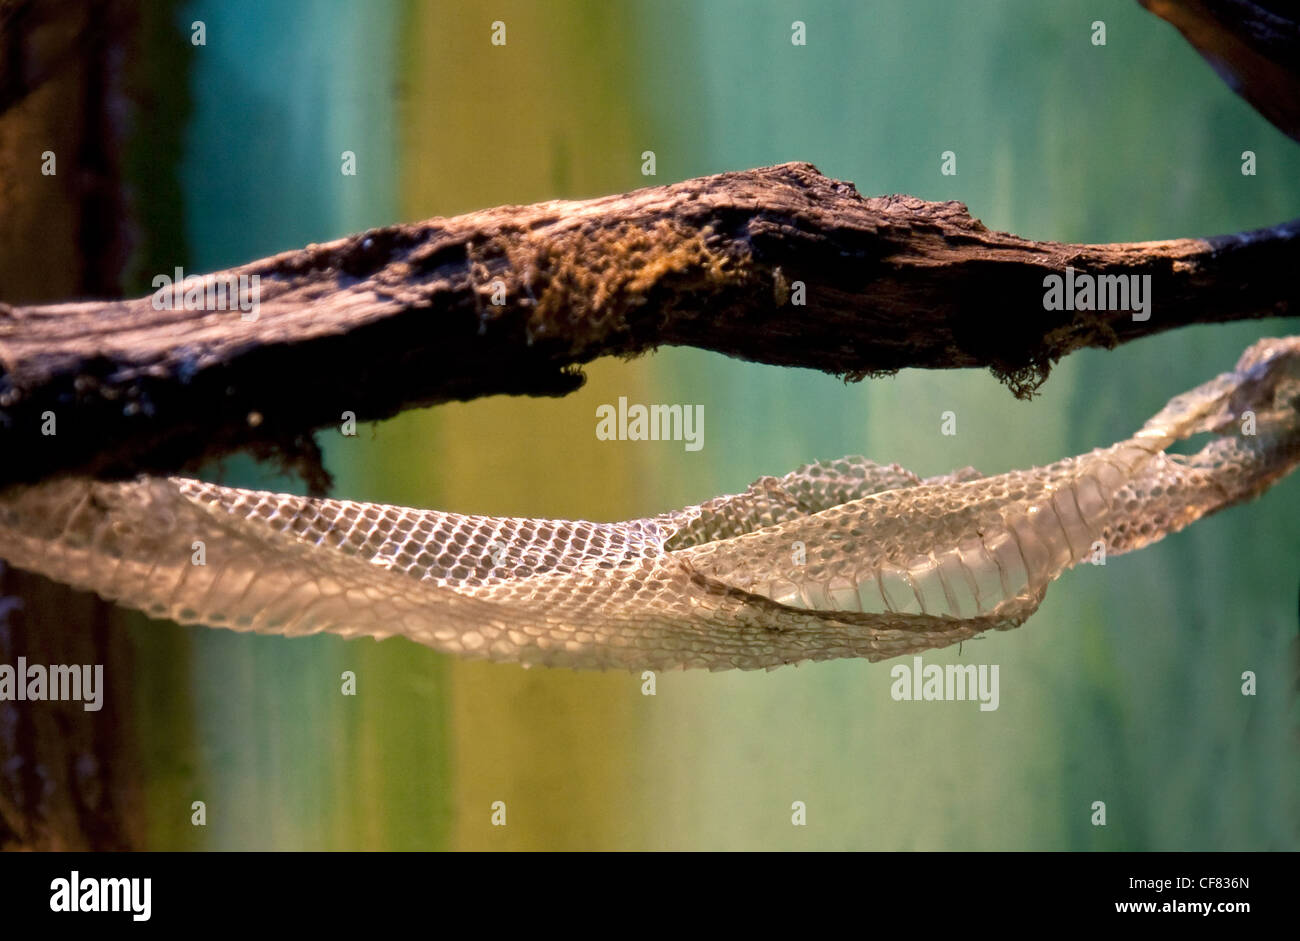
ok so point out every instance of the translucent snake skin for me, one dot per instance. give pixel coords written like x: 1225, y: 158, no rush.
x: 840, y: 559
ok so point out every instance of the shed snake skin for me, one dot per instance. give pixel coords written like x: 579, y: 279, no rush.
x: 840, y: 559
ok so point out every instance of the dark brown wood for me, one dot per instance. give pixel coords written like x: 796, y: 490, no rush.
x: 1254, y: 46
x: 404, y: 316
x: 70, y: 779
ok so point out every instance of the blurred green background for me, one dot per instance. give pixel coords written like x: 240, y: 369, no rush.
x: 1124, y: 688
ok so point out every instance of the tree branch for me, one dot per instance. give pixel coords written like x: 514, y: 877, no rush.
x: 405, y: 315
x: 1254, y: 46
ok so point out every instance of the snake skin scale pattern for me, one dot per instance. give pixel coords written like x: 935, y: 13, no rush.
x: 845, y: 558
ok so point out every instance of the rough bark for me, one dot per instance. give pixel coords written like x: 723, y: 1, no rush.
x: 405, y: 315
